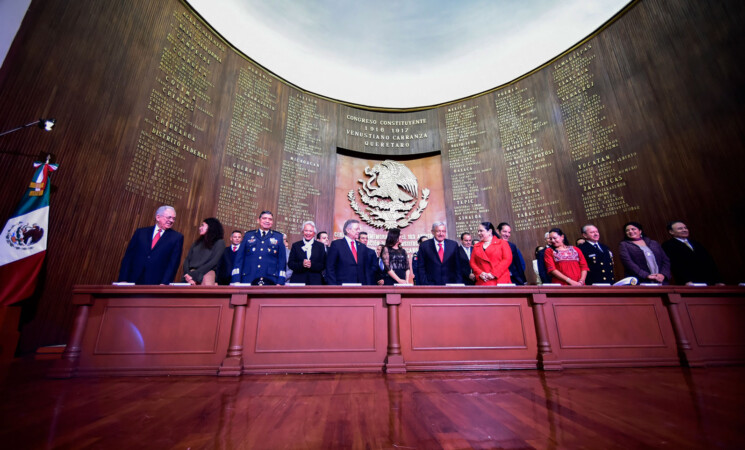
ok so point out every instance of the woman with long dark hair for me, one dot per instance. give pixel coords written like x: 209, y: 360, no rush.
x: 491, y: 257
x: 200, y: 265
x: 565, y: 263
x: 395, y: 262
x: 642, y: 257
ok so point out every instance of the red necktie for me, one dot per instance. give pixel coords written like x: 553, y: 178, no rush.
x: 156, y: 238
x: 354, y: 251
x: 441, y: 252
x: 235, y: 247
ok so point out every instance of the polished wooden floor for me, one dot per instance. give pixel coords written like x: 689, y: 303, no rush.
x: 597, y: 409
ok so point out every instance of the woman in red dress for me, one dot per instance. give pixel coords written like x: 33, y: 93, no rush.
x: 491, y: 257
x: 565, y: 263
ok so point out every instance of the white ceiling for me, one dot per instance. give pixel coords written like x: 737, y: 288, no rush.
x: 403, y: 53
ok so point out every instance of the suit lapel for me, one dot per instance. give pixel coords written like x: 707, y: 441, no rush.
x: 684, y: 247
x: 449, y: 252
x: 347, y: 249
x: 317, y: 250
x: 435, y: 252
x: 692, y: 248
x: 433, y: 249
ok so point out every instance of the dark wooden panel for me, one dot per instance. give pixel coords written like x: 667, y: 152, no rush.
x: 466, y: 329
x: 594, y: 328
x: 315, y: 330
x: 303, y: 328
x: 138, y: 329
x: 709, y: 330
x: 186, y: 330
x: 657, y: 135
x: 156, y: 334
x: 602, y: 325
x: 385, y: 134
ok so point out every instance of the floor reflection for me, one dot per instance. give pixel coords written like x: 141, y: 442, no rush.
x: 598, y: 408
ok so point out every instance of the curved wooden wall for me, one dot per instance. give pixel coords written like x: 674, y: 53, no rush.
x: 641, y: 122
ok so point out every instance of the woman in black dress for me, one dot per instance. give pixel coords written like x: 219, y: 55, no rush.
x: 395, y: 262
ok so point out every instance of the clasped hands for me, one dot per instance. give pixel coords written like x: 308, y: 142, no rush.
x: 486, y: 276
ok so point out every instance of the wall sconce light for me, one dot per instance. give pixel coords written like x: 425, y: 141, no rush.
x: 44, y: 124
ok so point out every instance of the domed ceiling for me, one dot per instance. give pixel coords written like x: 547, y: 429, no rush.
x: 405, y: 53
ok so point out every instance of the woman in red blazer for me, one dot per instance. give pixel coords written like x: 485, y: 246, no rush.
x: 491, y: 257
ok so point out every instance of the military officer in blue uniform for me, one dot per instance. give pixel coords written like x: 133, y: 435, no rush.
x: 261, y: 258
x: 598, y: 256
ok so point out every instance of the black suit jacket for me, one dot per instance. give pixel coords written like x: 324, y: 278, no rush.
x: 517, y: 266
x: 143, y: 265
x: 688, y: 265
x: 341, y: 266
x: 226, y: 265
x: 312, y: 275
x: 430, y: 271
x: 465, y: 266
x: 542, y: 273
x: 600, y: 263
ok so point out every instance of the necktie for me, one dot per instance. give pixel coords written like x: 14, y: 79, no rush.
x: 156, y: 238
x: 441, y: 252
x: 688, y: 244
x: 235, y: 247
x: 263, y: 234
x: 354, y: 251
x: 597, y: 246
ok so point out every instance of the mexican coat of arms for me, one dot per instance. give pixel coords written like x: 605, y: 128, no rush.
x: 390, y: 196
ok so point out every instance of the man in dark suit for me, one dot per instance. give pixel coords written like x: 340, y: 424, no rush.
x: 464, y: 253
x: 153, y: 255
x: 373, y: 260
x: 438, y: 262
x: 347, y: 260
x: 598, y: 256
x: 323, y: 238
x: 542, y: 272
x: 307, y: 257
x: 415, y: 260
x: 689, y: 260
x: 517, y: 267
x: 228, y: 258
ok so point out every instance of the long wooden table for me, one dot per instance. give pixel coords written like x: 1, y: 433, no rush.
x: 229, y: 331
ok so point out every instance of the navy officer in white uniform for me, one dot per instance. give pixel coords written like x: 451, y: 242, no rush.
x: 261, y: 258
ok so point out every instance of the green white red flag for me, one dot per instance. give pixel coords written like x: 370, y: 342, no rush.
x: 23, y: 243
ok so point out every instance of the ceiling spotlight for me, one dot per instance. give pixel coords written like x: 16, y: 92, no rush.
x: 44, y: 124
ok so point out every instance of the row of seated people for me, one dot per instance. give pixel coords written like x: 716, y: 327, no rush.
x: 263, y: 256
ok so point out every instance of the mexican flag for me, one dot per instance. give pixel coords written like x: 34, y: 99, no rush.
x: 23, y: 243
